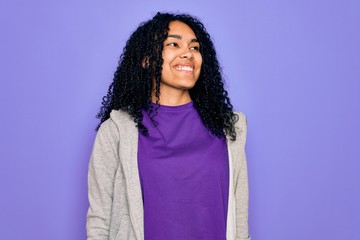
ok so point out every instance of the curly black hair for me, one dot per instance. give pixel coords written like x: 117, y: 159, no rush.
x: 132, y: 86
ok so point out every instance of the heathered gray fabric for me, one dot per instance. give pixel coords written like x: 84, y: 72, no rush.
x: 116, y: 207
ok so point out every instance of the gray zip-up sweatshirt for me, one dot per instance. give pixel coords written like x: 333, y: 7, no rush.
x: 116, y: 207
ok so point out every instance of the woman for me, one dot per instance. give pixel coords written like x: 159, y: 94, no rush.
x: 168, y: 161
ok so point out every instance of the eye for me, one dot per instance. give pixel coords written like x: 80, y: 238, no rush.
x: 172, y: 44
x: 195, y: 48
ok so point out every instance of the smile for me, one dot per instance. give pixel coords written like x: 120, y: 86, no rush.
x: 184, y: 68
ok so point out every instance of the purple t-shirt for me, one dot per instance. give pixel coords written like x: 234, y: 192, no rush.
x: 184, y: 174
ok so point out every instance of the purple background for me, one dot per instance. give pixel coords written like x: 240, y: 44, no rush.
x: 292, y: 66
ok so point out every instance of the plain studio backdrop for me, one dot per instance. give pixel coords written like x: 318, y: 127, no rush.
x: 293, y: 67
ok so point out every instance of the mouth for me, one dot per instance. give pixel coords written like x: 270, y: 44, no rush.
x: 184, y: 68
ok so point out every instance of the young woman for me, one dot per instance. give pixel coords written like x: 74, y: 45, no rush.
x: 168, y: 161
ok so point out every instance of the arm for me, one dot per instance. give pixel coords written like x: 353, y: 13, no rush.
x: 102, y: 168
x: 241, y: 185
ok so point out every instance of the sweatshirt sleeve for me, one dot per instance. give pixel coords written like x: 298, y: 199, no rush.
x: 102, y: 168
x: 241, y: 187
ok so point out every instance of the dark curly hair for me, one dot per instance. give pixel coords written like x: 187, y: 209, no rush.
x: 132, y: 85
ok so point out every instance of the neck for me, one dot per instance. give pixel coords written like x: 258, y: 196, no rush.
x: 173, y: 98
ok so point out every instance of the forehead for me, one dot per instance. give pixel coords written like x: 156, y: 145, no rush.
x: 180, y: 28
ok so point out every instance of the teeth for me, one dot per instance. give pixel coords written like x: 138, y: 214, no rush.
x: 185, y: 68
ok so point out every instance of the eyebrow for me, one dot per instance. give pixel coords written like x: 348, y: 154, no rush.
x: 179, y: 37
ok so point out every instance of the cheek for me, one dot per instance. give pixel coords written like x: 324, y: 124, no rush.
x: 198, y: 58
x: 199, y: 61
x: 168, y: 56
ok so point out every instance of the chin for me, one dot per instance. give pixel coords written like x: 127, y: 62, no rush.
x: 188, y: 86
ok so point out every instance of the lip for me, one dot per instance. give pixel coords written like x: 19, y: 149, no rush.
x: 186, y: 65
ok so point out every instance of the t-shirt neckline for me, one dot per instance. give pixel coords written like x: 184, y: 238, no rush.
x: 174, y: 108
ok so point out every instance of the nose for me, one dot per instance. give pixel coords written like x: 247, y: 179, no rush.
x: 187, y: 54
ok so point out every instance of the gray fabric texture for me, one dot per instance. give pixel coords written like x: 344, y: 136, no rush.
x: 114, y: 191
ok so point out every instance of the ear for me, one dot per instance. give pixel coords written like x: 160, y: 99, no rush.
x: 145, y: 62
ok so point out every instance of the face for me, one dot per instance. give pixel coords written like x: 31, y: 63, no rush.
x: 182, y: 59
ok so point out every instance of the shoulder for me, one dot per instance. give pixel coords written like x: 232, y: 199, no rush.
x: 242, y: 119
x: 241, y: 123
x: 120, y: 118
x: 241, y: 126
x: 108, y: 132
x: 117, y: 121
